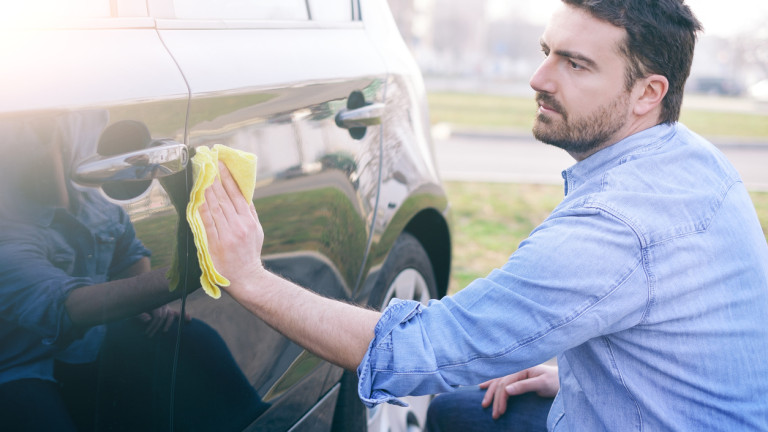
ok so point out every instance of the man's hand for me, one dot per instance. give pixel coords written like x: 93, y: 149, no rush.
x: 541, y: 379
x: 334, y: 330
x: 161, y: 318
x: 235, y: 236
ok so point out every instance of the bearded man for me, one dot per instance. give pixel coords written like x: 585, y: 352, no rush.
x: 648, y: 282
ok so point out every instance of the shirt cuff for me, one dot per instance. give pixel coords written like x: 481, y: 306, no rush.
x: 380, y: 352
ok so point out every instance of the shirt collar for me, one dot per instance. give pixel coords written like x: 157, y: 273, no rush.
x: 614, y: 155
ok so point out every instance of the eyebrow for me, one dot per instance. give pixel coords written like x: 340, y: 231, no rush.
x: 572, y: 55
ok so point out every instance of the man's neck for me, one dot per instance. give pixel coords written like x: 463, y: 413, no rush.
x: 631, y: 128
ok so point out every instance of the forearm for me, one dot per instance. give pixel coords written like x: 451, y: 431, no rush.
x: 118, y: 299
x: 335, y: 331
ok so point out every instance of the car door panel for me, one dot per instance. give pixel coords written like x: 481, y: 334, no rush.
x: 74, y: 94
x: 316, y: 184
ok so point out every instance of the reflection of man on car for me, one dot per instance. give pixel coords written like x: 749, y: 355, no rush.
x: 70, y: 262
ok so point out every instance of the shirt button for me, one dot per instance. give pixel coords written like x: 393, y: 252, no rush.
x: 90, y: 256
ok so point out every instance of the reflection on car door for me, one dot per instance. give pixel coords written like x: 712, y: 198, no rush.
x: 275, y: 89
x: 72, y: 95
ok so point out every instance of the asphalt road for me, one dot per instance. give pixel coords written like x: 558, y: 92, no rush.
x: 518, y: 157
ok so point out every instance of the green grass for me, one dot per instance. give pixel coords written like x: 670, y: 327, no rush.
x: 491, y: 219
x: 482, y: 111
x: 709, y: 123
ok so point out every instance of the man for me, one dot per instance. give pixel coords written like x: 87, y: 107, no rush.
x: 649, y: 282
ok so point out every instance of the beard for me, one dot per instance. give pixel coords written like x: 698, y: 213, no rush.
x: 580, y: 135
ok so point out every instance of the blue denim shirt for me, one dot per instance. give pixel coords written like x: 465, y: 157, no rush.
x: 649, y: 282
x: 42, y: 259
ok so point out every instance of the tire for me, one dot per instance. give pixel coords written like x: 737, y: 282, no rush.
x: 407, y: 274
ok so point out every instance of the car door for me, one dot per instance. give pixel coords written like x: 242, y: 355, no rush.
x: 93, y: 109
x: 298, y: 84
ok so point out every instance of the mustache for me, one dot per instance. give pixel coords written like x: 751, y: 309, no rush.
x: 549, y: 101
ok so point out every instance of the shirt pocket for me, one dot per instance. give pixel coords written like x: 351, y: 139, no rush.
x: 61, y: 254
x: 104, y: 251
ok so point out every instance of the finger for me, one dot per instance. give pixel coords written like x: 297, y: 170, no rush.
x: 488, y: 398
x: 231, y: 215
x: 157, y: 321
x: 229, y: 222
x: 169, y: 320
x: 253, y: 213
x: 151, y: 328
x: 534, y: 384
x: 209, y: 212
x: 232, y: 189
x: 219, y: 196
x: 205, y: 216
x: 499, y: 401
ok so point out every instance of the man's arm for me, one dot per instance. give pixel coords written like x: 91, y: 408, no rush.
x: 336, y: 331
x: 121, y: 298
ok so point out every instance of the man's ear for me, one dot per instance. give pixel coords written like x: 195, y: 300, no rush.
x: 650, y: 92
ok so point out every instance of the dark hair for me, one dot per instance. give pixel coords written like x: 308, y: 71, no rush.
x: 661, y: 35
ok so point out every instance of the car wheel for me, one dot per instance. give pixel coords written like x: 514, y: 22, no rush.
x: 406, y: 274
x: 409, y: 276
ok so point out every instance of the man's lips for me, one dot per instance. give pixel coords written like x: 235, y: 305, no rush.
x: 546, y: 105
x: 546, y: 109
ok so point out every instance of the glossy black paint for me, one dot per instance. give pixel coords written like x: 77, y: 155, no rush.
x: 332, y: 201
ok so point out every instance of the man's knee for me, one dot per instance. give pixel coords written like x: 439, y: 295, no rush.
x: 456, y: 410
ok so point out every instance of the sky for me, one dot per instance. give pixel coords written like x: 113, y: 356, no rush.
x: 720, y: 18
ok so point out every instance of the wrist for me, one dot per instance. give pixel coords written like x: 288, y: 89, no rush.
x: 248, y: 278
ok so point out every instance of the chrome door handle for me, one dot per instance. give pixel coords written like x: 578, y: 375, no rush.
x: 162, y: 158
x: 368, y: 115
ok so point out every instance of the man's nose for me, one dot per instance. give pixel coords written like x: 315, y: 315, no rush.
x: 543, y: 79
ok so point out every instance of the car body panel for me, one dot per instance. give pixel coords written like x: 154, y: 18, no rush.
x: 316, y: 185
x: 411, y: 197
x: 332, y: 201
x: 81, y: 102
x: 81, y: 91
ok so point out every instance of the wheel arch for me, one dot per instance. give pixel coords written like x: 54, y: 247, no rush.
x: 431, y: 229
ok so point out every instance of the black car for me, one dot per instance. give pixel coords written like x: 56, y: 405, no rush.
x: 103, y: 104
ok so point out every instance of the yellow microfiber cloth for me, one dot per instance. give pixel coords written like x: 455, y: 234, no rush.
x: 205, y: 168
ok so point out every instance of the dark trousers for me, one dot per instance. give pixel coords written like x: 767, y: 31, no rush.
x: 33, y: 405
x: 131, y: 387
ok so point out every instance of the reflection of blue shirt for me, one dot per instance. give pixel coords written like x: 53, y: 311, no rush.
x: 649, y: 281
x: 41, y: 260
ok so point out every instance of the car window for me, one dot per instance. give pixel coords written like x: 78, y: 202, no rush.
x: 290, y: 10
x: 330, y: 10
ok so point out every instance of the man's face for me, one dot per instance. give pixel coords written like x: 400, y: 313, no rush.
x: 580, y: 89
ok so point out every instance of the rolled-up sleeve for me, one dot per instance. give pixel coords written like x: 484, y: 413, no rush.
x: 377, y: 365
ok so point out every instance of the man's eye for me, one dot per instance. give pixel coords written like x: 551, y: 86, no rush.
x: 574, y: 65
x: 545, y: 52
